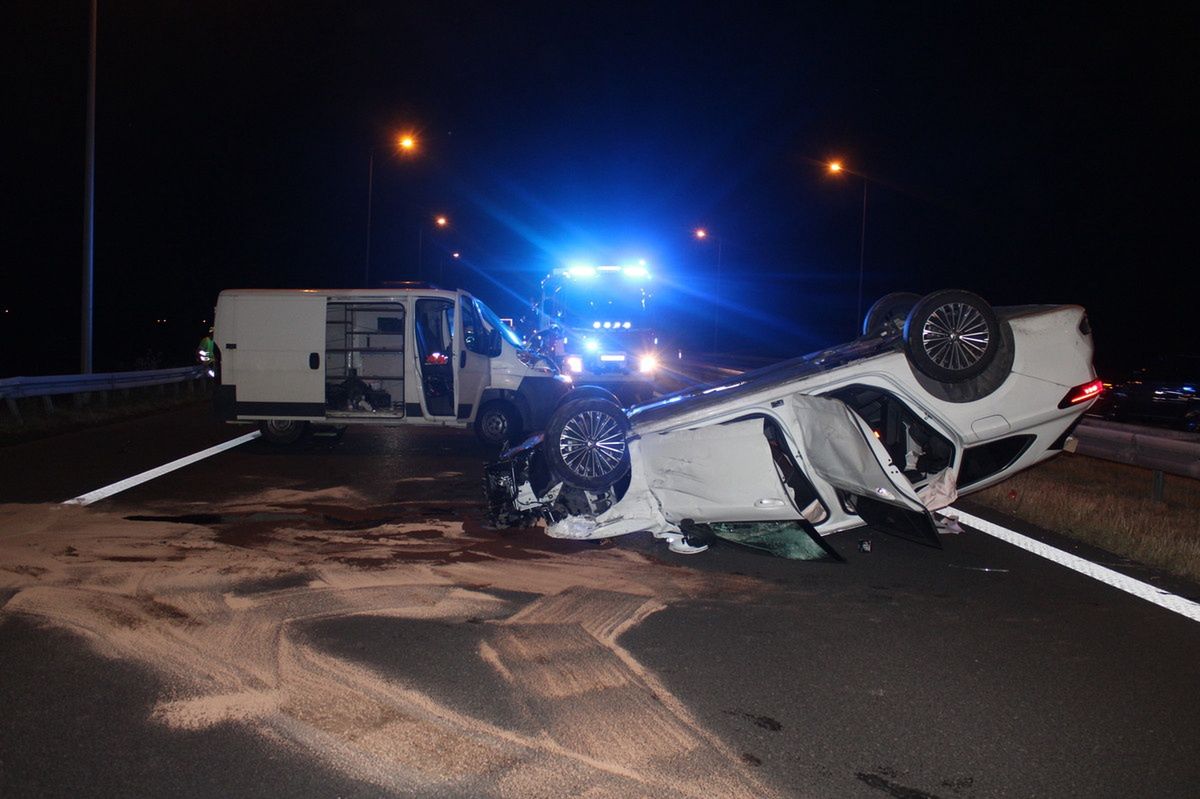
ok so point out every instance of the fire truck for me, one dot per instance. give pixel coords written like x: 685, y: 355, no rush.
x: 595, y: 322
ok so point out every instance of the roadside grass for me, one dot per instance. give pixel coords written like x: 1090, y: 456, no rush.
x: 1108, y: 505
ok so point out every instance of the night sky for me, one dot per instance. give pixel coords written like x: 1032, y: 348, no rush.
x: 1032, y: 153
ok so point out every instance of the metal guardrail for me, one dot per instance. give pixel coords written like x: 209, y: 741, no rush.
x: 1165, y: 451
x: 14, y: 388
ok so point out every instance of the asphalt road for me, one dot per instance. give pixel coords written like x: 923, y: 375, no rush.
x: 395, y: 633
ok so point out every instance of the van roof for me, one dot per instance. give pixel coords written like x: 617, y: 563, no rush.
x: 371, y: 293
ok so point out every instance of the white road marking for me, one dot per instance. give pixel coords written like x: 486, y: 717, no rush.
x: 159, y: 471
x: 1141, y: 590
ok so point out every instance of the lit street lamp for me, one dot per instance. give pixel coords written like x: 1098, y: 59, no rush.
x: 442, y: 222
x: 405, y: 144
x: 838, y: 168
x: 703, y: 235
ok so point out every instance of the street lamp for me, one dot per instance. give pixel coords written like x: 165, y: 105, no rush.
x: 702, y: 235
x: 442, y: 222
x: 405, y: 144
x: 838, y: 168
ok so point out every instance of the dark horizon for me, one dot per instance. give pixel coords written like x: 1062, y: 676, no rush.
x: 1031, y: 155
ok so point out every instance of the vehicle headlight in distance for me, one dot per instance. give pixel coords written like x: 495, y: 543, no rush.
x: 647, y: 363
x: 575, y: 364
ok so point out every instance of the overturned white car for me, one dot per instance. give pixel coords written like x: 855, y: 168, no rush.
x: 942, y: 395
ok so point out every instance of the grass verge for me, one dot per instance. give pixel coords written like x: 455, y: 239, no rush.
x: 1108, y: 505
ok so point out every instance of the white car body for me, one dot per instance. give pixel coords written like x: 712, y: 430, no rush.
x: 835, y: 437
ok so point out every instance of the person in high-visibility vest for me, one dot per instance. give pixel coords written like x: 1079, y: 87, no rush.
x: 206, y: 354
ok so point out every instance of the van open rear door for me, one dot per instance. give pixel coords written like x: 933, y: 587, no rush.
x: 843, y: 450
x: 273, y: 353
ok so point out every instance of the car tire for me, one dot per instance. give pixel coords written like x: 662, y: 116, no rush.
x: 952, y: 335
x: 889, y: 312
x: 282, y: 431
x: 497, y: 423
x: 588, y: 392
x: 585, y: 443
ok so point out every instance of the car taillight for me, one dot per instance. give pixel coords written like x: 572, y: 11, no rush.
x: 1082, y: 393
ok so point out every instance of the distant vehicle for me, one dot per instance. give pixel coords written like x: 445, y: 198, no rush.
x: 596, y: 323
x: 1162, y: 393
x: 878, y: 431
x: 404, y: 355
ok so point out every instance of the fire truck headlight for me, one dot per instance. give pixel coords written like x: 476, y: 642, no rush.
x: 647, y: 364
x: 591, y: 345
x: 575, y: 364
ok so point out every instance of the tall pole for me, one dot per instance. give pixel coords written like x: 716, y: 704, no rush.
x: 370, y: 194
x: 862, y: 247
x: 717, y: 304
x: 89, y: 202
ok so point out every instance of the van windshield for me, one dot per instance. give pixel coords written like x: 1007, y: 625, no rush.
x: 493, y: 321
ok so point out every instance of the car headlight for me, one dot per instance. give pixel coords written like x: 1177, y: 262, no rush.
x: 647, y: 364
x: 574, y: 364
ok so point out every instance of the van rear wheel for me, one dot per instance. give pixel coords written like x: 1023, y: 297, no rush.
x: 282, y: 431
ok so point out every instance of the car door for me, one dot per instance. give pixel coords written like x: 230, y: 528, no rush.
x: 728, y: 475
x: 840, y: 448
x: 717, y: 473
x: 471, y: 357
x: 434, y: 328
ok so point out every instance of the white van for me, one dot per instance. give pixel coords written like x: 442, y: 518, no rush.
x: 291, y: 357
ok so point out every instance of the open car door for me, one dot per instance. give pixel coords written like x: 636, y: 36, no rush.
x: 841, y: 448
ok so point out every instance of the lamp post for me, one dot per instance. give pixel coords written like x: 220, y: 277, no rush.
x: 89, y: 205
x: 837, y: 168
x: 702, y: 235
x: 442, y: 222
x: 405, y: 144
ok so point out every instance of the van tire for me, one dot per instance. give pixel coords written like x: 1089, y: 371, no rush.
x: 498, y: 423
x: 282, y: 431
x: 585, y: 443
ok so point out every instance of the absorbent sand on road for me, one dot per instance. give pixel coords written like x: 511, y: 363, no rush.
x: 222, y: 608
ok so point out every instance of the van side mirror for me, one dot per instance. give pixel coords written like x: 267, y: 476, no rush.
x: 495, y: 345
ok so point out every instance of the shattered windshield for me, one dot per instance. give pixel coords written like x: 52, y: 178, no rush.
x: 694, y: 397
